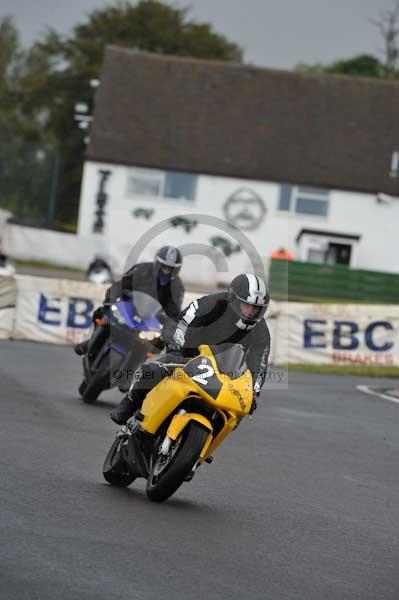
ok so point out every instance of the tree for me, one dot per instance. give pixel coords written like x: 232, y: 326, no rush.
x: 363, y: 65
x: 388, y: 26
x: 59, y: 69
x: 10, y: 49
x: 11, y: 123
x: 366, y: 65
x: 25, y: 166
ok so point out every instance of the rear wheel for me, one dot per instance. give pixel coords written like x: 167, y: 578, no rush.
x: 168, y: 472
x: 115, y: 469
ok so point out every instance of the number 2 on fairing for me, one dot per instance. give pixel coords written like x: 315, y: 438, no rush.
x: 203, y: 377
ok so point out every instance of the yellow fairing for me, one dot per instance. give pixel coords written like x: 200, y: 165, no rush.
x: 233, y: 401
x: 180, y: 421
x: 162, y: 400
x: 236, y: 394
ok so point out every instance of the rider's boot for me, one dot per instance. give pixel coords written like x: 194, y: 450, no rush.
x: 126, y: 409
x: 147, y: 377
x: 81, y: 348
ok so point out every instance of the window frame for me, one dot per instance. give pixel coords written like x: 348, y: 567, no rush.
x: 160, y: 176
x: 296, y: 193
x: 145, y: 174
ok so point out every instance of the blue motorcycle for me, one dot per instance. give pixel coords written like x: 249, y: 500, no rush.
x: 124, y: 338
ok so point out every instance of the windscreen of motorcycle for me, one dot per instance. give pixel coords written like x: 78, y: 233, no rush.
x: 145, y: 305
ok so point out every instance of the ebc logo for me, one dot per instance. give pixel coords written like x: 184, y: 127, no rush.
x: 78, y: 314
x: 347, y: 335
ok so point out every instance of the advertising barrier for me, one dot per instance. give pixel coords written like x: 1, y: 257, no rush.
x: 56, y: 311
x: 60, y: 312
x: 337, y: 334
x: 8, y: 294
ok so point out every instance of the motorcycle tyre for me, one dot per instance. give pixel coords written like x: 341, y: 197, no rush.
x: 181, y: 464
x: 115, y: 471
x: 92, y: 390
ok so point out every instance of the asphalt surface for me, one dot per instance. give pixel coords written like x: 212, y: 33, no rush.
x: 300, y: 503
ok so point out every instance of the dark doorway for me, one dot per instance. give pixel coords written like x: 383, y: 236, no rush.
x: 339, y: 254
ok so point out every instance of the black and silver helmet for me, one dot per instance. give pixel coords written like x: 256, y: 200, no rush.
x: 249, y: 298
x: 169, y: 256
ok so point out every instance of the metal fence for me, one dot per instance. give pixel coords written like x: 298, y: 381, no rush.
x: 28, y: 182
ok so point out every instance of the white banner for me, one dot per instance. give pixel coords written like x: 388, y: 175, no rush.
x: 57, y: 311
x: 7, y: 306
x: 6, y: 322
x: 337, y: 334
x: 60, y: 312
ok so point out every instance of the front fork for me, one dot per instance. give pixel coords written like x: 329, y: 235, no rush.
x: 178, y: 423
x: 168, y: 440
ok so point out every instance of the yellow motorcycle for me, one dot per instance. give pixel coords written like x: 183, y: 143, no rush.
x: 182, y: 421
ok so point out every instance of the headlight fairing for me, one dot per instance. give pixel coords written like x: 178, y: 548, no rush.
x: 149, y: 335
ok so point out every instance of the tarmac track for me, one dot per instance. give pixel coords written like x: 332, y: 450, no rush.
x: 300, y: 503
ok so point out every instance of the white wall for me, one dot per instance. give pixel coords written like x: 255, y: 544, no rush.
x: 349, y: 213
x: 55, y: 247
x: 4, y: 215
x: 376, y: 222
x: 211, y: 194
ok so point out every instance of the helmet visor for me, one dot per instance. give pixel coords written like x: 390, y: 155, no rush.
x: 249, y: 313
x: 169, y: 263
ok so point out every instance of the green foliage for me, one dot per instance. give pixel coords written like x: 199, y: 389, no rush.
x: 363, y: 65
x: 39, y: 88
x: 9, y: 50
x: 17, y: 132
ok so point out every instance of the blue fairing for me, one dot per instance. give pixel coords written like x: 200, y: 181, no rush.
x: 127, y: 310
x: 119, y: 348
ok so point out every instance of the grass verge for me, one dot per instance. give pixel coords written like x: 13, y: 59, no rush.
x: 360, y: 370
x: 318, y: 300
x: 31, y: 264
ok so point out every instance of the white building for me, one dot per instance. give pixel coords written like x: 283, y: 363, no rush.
x: 316, y: 225
x: 170, y: 138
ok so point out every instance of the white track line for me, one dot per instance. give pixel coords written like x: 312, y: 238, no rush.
x: 367, y: 390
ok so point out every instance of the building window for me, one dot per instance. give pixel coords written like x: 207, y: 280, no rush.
x: 145, y: 182
x: 161, y: 184
x: 304, y: 200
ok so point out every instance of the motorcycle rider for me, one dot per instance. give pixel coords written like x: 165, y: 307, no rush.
x: 235, y: 316
x: 99, y: 265
x: 159, y: 279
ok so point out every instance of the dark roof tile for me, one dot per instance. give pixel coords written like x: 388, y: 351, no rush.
x: 243, y: 121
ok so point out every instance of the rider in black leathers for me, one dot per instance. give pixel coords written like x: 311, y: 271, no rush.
x: 159, y: 279
x: 235, y: 316
x: 99, y: 264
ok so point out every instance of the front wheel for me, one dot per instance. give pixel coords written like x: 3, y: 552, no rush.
x: 91, y: 390
x: 115, y: 470
x: 169, y: 472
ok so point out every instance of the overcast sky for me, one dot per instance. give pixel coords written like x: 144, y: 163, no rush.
x: 273, y: 33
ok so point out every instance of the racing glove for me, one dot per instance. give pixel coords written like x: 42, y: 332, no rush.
x: 256, y: 392
x: 159, y: 343
x: 98, y: 314
x: 177, y: 343
x: 173, y: 348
